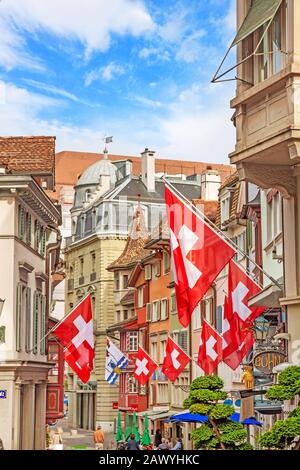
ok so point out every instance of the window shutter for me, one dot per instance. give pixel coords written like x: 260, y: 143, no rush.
x: 19, y: 318
x: 148, y: 272
x: 146, y: 293
x: 157, y: 266
x: 182, y: 340
x: 148, y: 312
x: 43, y: 325
x: 21, y: 222
x: 167, y: 309
x: 28, y: 320
x: 36, y: 302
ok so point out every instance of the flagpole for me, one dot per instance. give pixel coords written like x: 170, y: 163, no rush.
x: 217, y: 230
x: 58, y: 324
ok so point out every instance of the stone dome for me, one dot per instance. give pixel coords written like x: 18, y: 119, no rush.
x: 92, y: 175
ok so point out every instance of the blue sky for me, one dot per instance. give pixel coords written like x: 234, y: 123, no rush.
x: 137, y: 70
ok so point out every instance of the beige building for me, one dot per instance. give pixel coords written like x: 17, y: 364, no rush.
x: 29, y: 245
x: 267, y: 106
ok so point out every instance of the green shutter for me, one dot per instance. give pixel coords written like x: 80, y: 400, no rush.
x: 21, y: 223
x: 35, y: 330
x: 261, y: 12
x: 19, y: 318
x: 43, y: 325
x: 28, y: 320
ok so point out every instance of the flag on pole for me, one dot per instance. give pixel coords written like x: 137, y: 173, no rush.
x: 175, y: 360
x: 144, y: 367
x: 198, y: 254
x: 210, y: 350
x: 75, y: 333
x: 116, y: 361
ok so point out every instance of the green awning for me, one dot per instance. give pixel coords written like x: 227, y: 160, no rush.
x: 260, y: 13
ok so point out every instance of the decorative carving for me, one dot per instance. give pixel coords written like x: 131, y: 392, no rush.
x: 269, y: 176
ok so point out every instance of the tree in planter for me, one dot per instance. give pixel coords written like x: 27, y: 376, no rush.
x: 284, y: 431
x: 219, y: 432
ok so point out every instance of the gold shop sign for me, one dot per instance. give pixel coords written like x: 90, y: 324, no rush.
x: 265, y: 361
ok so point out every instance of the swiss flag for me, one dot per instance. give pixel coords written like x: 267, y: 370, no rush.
x: 175, y: 360
x: 144, y: 367
x: 237, y: 339
x: 198, y: 255
x: 75, y: 333
x: 210, y: 350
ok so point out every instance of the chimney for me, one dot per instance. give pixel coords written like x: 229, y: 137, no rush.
x: 210, y: 184
x: 148, y: 170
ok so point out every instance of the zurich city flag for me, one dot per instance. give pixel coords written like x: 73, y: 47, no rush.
x: 116, y: 361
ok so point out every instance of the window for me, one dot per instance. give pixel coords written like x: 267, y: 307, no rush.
x: 35, y: 329
x: 117, y: 281
x: 140, y: 297
x: 162, y: 350
x: 156, y: 270
x: 166, y: 262
x: 148, y: 272
x: 274, y: 217
x: 208, y: 310
x: 163, y: 396
x: 93, y: 256
x: 125, y: 282
x: 53, y: 356
x: 173, y: 303
x: 43, y: 325
x: 240, y: 242
x: 125, y: 315
x: 225, y: 206
x: 28, y: 228
x: 19, y: 322
x: 156, y: 311
x: 81, y: 266
x: 197, y: 318
x: 164, y: 309
x: 133, y: 340
x: 118, y: 313
x: 132, y: 384
x: 219, y: 322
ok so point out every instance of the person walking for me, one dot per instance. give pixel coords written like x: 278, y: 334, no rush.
x: 99, y: 438
x: 132, y: 444
x: 157, y: 438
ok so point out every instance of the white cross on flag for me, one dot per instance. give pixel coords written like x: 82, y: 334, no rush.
x: 175, y: 360
x: 210, y: 350
x: 198, y: 255
x: 144, y: 367
x: 75, y: 333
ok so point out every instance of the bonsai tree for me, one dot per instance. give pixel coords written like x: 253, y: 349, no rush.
x: 285, y: 431
x: 219, y: 432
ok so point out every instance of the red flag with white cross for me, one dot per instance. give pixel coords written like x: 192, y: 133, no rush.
x: 175, y: 360
x: 144, y: 367
x: 75, y: 333
x: 198, y: 255
x: 210, y: 350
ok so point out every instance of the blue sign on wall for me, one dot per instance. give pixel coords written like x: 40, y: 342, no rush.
x: 3, y: 394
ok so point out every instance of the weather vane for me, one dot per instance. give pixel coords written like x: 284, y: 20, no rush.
x: 107, y: 140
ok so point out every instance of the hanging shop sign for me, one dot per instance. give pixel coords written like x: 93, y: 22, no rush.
x: 265, y: 361
x: 3, y: 394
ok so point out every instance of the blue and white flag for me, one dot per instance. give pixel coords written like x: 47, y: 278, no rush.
x: 116, y: 361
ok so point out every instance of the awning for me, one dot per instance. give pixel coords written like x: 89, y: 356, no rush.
x: 194, y: 418
x: 167, y: 414
x: 268, y: 297
x: 260, y: 13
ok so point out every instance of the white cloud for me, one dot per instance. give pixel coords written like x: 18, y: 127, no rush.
x: 190, y: 48
x: 52, y: 90
x: 106, y: 73
x: 147, y: 101
x: 91, y: 22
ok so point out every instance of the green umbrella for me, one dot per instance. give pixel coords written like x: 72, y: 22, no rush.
x: 146, y: 440
x: 127, y: 430
x: 135, y: 429
x: 119, y: 435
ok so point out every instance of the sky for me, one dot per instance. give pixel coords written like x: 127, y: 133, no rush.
x: 139, y: 70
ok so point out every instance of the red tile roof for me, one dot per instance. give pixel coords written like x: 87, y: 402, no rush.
x: 28, y: 155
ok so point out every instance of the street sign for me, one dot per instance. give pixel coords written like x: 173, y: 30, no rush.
x: 3, y: 394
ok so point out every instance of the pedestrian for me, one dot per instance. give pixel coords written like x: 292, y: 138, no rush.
x: 1, y: 444
x: 178, y: 444
x: 164, y: 444
x: 132, y: 444
x: 157, y: 438
x: 99, y: 438
x: 57, y: 440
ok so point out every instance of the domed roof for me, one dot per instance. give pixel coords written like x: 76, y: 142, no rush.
x: 92, y: 175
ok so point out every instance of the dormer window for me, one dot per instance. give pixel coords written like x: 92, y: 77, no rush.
x: 225, y: 208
